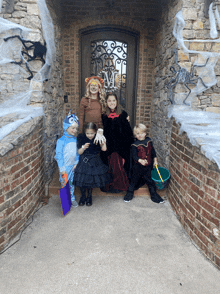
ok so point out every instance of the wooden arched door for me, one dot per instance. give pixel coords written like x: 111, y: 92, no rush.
x: 111, y: 53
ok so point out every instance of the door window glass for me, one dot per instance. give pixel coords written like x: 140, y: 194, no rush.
x: 109, y: 60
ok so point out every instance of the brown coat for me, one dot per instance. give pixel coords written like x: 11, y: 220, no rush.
x: 89, y: 111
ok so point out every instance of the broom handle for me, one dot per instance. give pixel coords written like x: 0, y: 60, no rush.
x: 159, y: 173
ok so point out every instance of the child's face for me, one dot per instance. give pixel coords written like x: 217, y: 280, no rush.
x: 72, y: 130
x: 94, y: 88
x: 90, y: 134
x: 112, y: 102
x: 140, y: 135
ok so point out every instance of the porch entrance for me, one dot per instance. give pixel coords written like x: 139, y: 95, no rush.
x: 111, y: 53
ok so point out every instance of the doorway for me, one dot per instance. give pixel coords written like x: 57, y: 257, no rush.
x: 111, y: 53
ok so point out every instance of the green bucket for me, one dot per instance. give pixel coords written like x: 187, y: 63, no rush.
x: 165, y: 175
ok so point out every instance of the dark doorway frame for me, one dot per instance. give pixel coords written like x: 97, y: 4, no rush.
x: 112, y: 28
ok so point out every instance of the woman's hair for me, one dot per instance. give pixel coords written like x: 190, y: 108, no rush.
x: 118, y: 109
x: 142, y: 127
x: 90, y: 126
x: 101, y: 94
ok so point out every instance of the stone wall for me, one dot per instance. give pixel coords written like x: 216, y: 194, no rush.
x: 197, y: 27
x: 13, y: 78
x: 22, y: 178
x: 194, y: 194
x: 139, y: 16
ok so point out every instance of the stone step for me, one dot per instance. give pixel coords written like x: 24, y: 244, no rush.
x: 54, y: 188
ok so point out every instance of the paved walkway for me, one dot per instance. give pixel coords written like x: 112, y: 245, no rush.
x: 111, y: 247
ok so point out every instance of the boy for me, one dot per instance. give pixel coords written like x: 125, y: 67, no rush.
x: 66, y: 153
x: 144, y: 158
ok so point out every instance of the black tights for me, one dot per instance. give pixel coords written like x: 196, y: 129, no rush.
x: 83, y: 192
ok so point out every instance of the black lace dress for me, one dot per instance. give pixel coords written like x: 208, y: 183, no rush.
x: 90, y: 171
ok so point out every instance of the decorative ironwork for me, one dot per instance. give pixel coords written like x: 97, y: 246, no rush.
x: 109, y: 60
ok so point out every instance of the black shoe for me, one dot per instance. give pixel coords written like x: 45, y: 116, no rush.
x: 129, y: 196
x: 82, y: 201
x: 89, y: 201
x: 156, y: 198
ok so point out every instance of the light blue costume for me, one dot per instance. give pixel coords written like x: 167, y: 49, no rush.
x: 66, y: 152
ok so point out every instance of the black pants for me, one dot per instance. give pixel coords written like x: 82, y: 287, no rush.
x: 144, y: 172
x: 139, y: 171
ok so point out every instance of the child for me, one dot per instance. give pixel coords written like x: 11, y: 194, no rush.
x: 90, y: 172
x: 66, y: 153
x: 119, y: 136
x: 144, y: 157
x: 93, y: 104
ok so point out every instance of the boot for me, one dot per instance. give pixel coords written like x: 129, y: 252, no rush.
x: 130, y: 194
x: 82, y: 200
x: 89, y: 197
x: 154, y: 196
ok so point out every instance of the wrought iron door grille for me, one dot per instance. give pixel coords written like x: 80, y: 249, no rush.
x: 109, y: 60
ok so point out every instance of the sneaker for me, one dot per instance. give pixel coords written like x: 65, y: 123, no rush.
x: 126, y: 200
x: 74, y: 203
x: 162, y: 201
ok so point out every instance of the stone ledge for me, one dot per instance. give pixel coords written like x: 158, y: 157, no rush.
x: 17, y: 136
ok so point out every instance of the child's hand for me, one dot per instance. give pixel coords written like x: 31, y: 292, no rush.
x: 128, y: 118
x: 64, y: 177
x: 155, y: 162
x: 74, y: 166
x: 86, y: 146
x: 143, y: 161
x: 99, y: 138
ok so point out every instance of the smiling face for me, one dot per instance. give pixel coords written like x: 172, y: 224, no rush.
x: 94, y: 88
x: 140, y: 135
x: 90, y: 133
x: 112, y: 102
x: 72, y: 130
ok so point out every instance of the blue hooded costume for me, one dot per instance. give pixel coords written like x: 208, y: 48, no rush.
x: 66, y: 152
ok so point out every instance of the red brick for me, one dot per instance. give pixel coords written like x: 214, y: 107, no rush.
x: 185, y: 158
x: 195, y: 205
x: 6, y: 188
x: 15, y: 184
x: 210, y: 191
x: 190, y: 208
x: 13, y: 208
x: 26, y: 183
x: 14, y: 222
x: 205, y: 205
x: 217, y: 261
x: 195, y: 165
x: 2, y: 199
x: 211, y: 183
x: 210, y: 218
x: 17, y: 167
x: 201, y: 237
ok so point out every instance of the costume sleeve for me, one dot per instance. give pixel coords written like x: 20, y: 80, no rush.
x: 77, y: 157
x: 81, y: 114
x: 126, y: 129
x: 79, y: 141
x: 60, y: 155
x: 134, y: 153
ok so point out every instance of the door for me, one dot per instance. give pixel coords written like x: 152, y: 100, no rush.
x: 111, y: 53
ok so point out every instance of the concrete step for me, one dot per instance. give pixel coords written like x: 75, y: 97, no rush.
x: 54, y: 188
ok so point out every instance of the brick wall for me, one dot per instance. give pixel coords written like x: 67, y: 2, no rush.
x: 194, y: 194
x: 21, y: 184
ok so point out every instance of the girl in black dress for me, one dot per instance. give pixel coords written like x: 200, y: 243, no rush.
x: 90, y: 172
x: 119, y: 137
